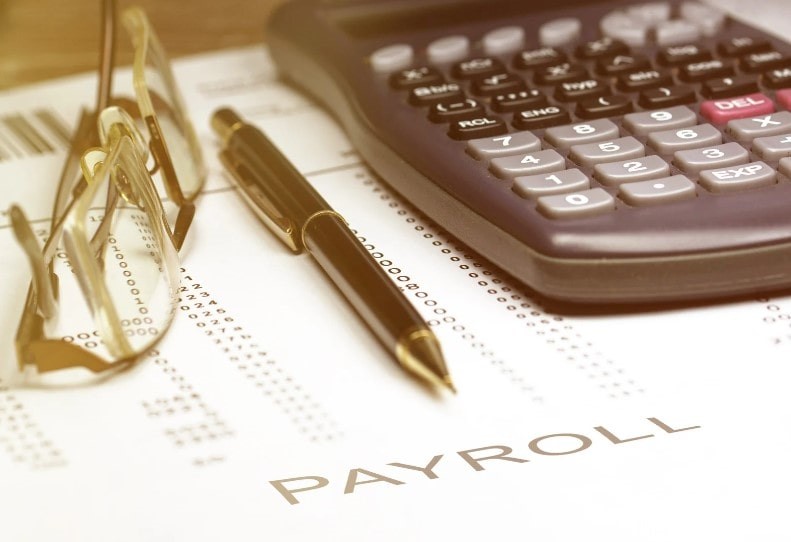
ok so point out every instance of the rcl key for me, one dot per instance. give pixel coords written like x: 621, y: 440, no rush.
x: 485, y: 126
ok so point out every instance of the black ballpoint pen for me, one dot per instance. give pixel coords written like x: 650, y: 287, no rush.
x: 284, y: 200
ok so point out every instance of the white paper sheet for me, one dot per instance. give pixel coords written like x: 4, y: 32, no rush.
x: 668, y: 425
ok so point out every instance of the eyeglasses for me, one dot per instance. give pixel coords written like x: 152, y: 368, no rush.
x: 121, y: 223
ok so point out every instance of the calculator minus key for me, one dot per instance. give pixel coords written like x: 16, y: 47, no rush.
x: 452, y: 110
x: 657, y: 191
x: 560, y: 182
x: 696, y: 160
x: 486, y: 148
x: 483, y: 126
x: 632, y: 170
x: 664, y: 119
x: 509, y: 167
x: 590, y: 154
x: 670, y: 141
x: 564, y: 137
x: 582, y: 204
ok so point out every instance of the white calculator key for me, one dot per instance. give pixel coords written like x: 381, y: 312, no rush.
x: 564, y: 137
x: 560, y: 32
x: 773, y: 148
x: 670, y: 141
x: 696, y: 160
x: 661, y: 119
x: 627, y: 171
x: 761, y: 126
x: 535, y: 163
x: 676, y: 32
x: 709, y: 19
x: 535, y: 186
x: 392, y: 57
x: 658, y: 191
x: 607, y: 151
x: 732, y: 179
x: 582, y: 204
x: 504, y: 145
x: 503, y: 40
x: 620, y: 26
x: 448, y: 49
x: 650, y: 12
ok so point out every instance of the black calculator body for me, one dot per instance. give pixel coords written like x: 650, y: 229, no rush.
x: 598, y: 151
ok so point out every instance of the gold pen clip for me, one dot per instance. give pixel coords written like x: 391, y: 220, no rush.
x: 282, y: 226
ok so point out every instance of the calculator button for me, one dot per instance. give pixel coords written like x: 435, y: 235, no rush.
x: 535, y: 186
x: 604, y: 106
x: 453, y: 110
x: 753, y: 175
x: 448, y: 49
x: 543, y: 117
x: 618, y: 25
x: 603, y: 47
x: 707, y: 69
x: 503, y: 40
x: 667, y: 97
x: 645, y: 79
x: 696, y: 160
x: 722, y: 111
x: 727, y: 87
x: 658, y: 191
x: 667, y: 119
x: 676, y: 31
x: 504, y: 145
x: 484, y: 126
x: 415, y: 77
x: 391, y: 58
x: 683, y: 54
x: 622, y: 64
x: 564, y: 137
x: 627, y: 171
x: 573, y: 91
x: 773, y: 148
x: 581, y: 204
x: 607, y: 151
x: 559, y: 73
x: 743, y: 45
x: 784, y: 97
x: 650, y: 12
x: 477, y: 67
x: 518, y: 101
x: 769, y: 60
x: 765, y: 125
x: 785, y: 167
x: 780, y: 78
x: 539, y: 58
x: 497, y: 83
x: 508, y: 167
x: 432, y: 94
x: 560, y: 32
x: 670, y: 141
x: 709, y: 19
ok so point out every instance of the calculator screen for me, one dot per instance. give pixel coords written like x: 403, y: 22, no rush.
x: 373, y: 19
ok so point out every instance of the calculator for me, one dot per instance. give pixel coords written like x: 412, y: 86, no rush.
x: 597, y: 151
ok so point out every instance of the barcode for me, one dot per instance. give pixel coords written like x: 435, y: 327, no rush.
x: 40, y: 131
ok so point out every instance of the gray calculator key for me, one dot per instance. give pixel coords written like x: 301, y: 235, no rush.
x: 670, y: 141
x: 773, y: 148
x: 672, y: 118
x: 504, y: 145
x: 709, y: 19
x: 785, y: 167
x: 627, y: 171
x: 535, y: 163
x: 764, y: 125
x: 560, y: 32
x: 535, y: 186
x: 752, y: 175
x: 651, y: 12
x: 582, y: 204
x: 676, y: 32
x: 658, y: 191
x: 392, y: 57
x: 615, y: 150
x: 620, y: 26
x: 693, y: 161
x: 448, y: 49
x: 564, y: 137
x: 503, y: 40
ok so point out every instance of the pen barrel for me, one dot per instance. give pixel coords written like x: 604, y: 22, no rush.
x: 361, y: 279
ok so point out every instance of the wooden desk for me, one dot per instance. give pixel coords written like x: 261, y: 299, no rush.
x: 41, y: 39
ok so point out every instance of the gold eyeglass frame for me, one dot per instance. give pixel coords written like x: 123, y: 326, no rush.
x: 116, y: 144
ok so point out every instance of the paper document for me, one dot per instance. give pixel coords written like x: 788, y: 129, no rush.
x: 269, y: 412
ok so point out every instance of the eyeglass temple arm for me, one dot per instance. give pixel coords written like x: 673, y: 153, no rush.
x: 106, y: 55
x: 44, y: 280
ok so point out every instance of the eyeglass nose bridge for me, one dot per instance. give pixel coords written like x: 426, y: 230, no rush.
x: 114, y: 121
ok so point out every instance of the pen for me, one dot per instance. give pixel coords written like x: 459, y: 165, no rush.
x: 285, y: 201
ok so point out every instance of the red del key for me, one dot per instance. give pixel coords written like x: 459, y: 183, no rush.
x: 751, y: 105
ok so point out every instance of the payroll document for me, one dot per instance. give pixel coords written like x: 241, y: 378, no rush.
x: 269, y: 412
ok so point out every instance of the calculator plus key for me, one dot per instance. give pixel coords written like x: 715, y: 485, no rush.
x: 432, y: 94
x: 657, y: 192
x: 763, y: 126
x: 696, y: 160
x: 518, y: 101
x: 671, y: 141
x: 539, y: 58
x: 573, y: 91
x: 477, y: 67
x: 542, y: 117
x: 559, y: 73
x: 667, y: 119
x: 727, y: 87
x: 749, y: 176
x: 503, y: 145
x: 509, y: 167
x: 453, y: 110
x: 616, y: 150
x: 583, y: 204
x: 667, y: 97
x: 722, y: 111
x: 415, y: 77
x: 645, y: 79
x: 535, y: 186
x: 477, y: 127
x: 564, y: 137
x: 632, y: 170
x: 604, y: 106
x: 498, y: 83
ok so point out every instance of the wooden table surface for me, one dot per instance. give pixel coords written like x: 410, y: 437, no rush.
x: 41, y: 39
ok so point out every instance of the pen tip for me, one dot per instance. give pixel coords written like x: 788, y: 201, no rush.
x: 420, y: 353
